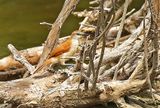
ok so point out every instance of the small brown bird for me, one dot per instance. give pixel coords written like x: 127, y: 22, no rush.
x: 63, y: 51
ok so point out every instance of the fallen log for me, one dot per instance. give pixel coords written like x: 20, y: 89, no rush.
x: 65, y: 88
x: 44, y: 93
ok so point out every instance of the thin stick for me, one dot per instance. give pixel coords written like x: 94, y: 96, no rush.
x: 102, y: 26
x: 45, y: 23
x: 122, y: 22
x: 68, y: 7
x: 127, y: 14
x: 106, y: 30
x: 113, y: 41
x: 146, y: 58
x: 83, y: 22
x: 17, y: 56
x: 122, y: 59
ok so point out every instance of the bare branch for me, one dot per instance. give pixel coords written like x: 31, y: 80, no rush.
x: 17, y: 56
x: 53, y: 35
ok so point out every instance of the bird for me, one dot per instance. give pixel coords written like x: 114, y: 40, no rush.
x: 62, y: 52
x: 59, y: 54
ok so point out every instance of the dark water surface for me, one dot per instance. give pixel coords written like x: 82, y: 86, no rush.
x: 19, y: 22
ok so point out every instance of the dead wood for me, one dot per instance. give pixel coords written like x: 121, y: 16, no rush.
x: 17, y: 56
x: 110, y: 74
x: 69, y: 6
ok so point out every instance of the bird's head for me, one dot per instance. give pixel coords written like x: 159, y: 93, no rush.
x: 77, y: 34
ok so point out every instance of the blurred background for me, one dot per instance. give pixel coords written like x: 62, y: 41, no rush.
x: 20, y: 22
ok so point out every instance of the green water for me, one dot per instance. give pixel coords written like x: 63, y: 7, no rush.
x: 19, y: 22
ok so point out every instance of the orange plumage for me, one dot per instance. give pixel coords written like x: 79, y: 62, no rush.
x: 59, y: 50
x: 62, y: 48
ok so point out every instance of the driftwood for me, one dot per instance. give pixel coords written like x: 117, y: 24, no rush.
x: 102, y: 73
x: 69, y: 6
